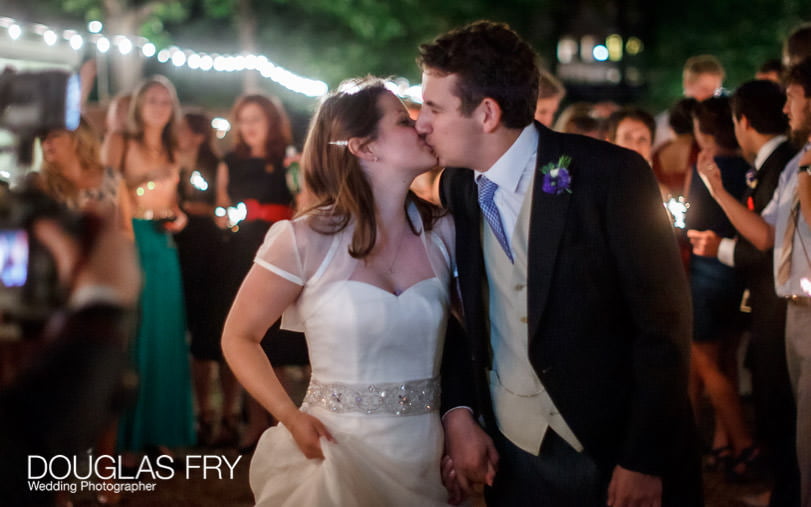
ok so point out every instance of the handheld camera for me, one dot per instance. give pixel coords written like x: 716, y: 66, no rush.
x: 30, y: 104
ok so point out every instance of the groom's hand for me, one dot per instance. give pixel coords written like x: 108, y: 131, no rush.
x: 634, y: 489
x: 471, y: 450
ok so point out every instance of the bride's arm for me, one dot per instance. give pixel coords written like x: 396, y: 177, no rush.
x: 260, y: 302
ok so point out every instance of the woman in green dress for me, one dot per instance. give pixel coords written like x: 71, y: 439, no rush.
x: 163, y: 414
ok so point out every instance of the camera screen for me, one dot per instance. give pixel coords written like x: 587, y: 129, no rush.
x: 73, y: 102
x: 13, y: 257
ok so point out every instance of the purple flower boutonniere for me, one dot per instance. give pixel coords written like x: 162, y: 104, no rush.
x: 556, y: 177
x: 751, y: 178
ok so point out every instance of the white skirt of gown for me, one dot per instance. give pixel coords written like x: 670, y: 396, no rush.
x: 380, y: 460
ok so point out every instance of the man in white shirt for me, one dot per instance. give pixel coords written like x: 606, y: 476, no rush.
x: 784, y: 225
x: 760, y: 124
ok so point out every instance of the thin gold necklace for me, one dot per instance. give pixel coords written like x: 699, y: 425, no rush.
x: 396, y: 253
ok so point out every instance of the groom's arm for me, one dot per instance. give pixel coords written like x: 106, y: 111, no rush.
x: 456, y: 371
x: 654, y: 286
x: 473, y: 457
x: 457, y: 368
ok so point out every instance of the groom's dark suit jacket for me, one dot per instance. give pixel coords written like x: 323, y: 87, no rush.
x: 608, y: 309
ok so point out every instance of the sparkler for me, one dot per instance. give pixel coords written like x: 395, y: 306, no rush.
x: 235, y: 214
x: 197, y: 181
x: 677, y: 207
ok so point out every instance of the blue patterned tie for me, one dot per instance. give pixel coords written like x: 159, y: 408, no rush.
x: 486, y: 191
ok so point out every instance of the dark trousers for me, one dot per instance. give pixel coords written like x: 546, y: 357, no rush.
x: 559, y: 476
x: 775, y: 411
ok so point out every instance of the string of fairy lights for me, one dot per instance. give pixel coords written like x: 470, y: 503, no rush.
x: 181, y: 57
x: 174, y: 55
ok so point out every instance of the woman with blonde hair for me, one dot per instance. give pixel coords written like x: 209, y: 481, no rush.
x: 146, y: 156
x: 366, y: 274
x: 72, y: 172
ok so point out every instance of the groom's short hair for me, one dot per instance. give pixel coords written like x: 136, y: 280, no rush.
x: 490, y: 60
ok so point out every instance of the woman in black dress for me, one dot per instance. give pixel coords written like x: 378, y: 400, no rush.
x: 717, y: 290
x: 252, y: 183
x: 201, y: 248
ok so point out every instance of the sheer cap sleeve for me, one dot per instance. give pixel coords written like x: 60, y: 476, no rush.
x: 279, y: 253
x: 297, y: 253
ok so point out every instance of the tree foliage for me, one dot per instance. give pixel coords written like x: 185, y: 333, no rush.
x: 335, y: 39
x: 742, y: 35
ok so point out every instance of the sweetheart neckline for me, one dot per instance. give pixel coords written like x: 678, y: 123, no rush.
x: 381, y: 289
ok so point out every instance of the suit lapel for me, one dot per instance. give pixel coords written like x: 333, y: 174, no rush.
x: 470, y: 260
x: 770, y: 174
x: 547, y: 223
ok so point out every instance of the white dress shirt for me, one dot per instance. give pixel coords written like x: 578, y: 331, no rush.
x: 513, y: 175
x: 777, y: 214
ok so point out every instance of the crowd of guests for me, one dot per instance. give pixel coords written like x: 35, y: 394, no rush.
x: 197, y: 219
x: 156, y: 170
x: 710, y: 146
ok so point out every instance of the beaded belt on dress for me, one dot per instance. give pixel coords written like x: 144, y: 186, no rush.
x: 393, y: 398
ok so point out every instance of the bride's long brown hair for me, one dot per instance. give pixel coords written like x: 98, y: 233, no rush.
x: 333, y: 174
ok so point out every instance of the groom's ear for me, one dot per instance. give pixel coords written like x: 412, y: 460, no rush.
x: 489, y: 112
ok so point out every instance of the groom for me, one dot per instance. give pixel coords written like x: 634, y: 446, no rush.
x: 576, y: 308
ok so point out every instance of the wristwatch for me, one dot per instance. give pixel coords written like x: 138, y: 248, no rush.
x: 805, y: 168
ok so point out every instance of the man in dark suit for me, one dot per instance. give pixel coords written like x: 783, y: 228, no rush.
x: 575, y: 303
x: 760, y: 127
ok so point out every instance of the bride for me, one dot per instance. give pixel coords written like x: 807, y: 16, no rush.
x: 365, y: 274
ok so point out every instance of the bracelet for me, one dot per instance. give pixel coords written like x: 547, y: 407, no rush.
x: 806, y: 168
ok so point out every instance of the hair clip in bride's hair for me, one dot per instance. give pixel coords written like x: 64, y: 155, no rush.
x: 339, y: 143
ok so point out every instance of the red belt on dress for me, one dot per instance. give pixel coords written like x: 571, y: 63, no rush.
x: 267, y: 212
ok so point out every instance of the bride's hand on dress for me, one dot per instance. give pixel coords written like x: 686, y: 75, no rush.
x: 307, y: 432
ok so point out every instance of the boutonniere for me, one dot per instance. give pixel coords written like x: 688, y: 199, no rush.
x: 751, y: 178
x: 556, y: 177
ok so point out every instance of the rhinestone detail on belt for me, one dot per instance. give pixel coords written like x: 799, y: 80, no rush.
x: 394, y: 398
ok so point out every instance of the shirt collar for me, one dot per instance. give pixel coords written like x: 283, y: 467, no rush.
x: 508, y: 170
x: 767, y: 149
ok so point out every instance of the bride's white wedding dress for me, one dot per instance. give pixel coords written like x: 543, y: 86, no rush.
x: 375, y: 360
